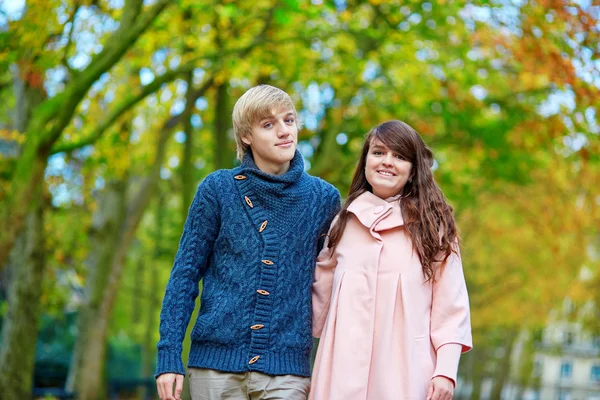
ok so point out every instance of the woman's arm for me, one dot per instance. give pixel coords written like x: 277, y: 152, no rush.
x: 322, y: 287
x: 450, y: 316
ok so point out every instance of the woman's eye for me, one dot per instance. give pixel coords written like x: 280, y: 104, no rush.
x: 399, y: 157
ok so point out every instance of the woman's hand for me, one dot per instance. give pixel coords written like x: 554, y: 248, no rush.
x: 440, y: 388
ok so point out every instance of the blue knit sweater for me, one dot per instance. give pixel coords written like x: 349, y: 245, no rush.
x: 253, y: 238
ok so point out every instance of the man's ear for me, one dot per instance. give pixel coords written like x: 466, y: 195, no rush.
x: 247, y: 140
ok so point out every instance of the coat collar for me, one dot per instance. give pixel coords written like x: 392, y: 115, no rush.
x: 376, y: 213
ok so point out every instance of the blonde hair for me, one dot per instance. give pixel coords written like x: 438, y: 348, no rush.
x: 257, y: 103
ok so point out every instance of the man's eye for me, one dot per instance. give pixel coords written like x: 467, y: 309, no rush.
x: 268, y: 125
x: 290, y: 120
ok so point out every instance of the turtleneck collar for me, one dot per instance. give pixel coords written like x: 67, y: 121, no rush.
x: 292, y: 175
x: 276, y: 198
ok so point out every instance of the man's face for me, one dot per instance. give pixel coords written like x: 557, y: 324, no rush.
x: 273, y: 141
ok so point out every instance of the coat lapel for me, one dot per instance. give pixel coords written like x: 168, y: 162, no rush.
x: 376, y: 213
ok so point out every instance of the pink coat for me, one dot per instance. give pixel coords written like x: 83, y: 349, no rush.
x: 380, y: 325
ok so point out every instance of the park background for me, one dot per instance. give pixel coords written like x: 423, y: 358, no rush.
x: 112, y: 111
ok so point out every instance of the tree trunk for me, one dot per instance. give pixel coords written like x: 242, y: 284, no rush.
x: 221, y: 154
x: 525, y: 378
x: 503, y: 368
x: 479, y: 359
x: 187, y: 165
x: 138, y: 292
x: 89, y: 352
x: 27, y: 96
x: 20, y: 328
x: 326, y: 154
x: 149, y: 348
x: 87, y: 370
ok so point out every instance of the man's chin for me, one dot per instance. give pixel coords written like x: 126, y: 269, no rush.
x: 288, y: 155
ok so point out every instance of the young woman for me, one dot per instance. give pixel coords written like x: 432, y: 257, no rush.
x: 390, y: 302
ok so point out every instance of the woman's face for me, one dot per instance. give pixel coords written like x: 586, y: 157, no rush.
x: 385, y: 170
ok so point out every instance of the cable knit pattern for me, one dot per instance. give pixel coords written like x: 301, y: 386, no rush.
x: 253, y: 238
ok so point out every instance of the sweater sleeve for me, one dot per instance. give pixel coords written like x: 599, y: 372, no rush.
x: 199, y: 233
x: 336, y: 202
x: 450, y: 315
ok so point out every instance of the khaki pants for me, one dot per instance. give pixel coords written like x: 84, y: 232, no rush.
x: 208, y: 384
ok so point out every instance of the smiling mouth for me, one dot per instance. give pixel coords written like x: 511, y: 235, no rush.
x: 284, y: 143
x: 386, y: 173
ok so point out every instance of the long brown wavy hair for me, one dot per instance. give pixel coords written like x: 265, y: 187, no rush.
x: 427, y: 215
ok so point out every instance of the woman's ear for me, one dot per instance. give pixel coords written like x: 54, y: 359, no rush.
x: 412, y: 173
x: 429, y: 157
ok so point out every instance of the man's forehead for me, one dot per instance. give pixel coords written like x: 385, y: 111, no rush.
x: 278, y: 112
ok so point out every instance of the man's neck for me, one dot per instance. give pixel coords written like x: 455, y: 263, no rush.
x: 272, y: 169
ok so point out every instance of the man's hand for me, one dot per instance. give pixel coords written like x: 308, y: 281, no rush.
x: 440, y: 388
x: 164, y: 384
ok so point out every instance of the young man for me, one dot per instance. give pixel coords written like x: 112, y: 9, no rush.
x: 252, y: 234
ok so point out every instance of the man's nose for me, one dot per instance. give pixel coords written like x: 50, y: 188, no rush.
x: 283, y: 129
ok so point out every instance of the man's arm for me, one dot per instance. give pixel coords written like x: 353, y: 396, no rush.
x: 196, y: 244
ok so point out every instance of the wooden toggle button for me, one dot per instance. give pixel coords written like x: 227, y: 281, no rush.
x: 249, y: 201
x: 254, y: 359
x: 257, y: 326
x: 263, y: 292
x: 239, y: 177
x: 268, y: 262
x: 263, y: 226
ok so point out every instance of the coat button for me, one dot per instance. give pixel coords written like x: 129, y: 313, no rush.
x: 263, y: 292
x: 378, y: 209
x: 257, y: 327
x: 268, y: 262
x: 263, y: 226
x: 239, y: 177
x: 248, y: 201
x: 254, y: 359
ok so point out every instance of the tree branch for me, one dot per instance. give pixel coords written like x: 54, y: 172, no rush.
x: 126, y: 105
x: 70, y: 37
x: 176, y: 119
x: 131, y: 10
x: 116, y: 46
